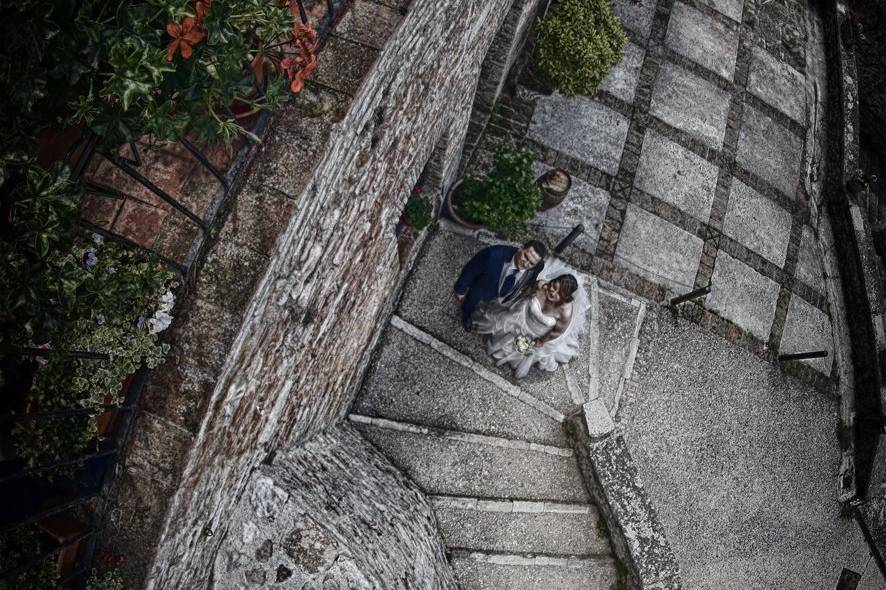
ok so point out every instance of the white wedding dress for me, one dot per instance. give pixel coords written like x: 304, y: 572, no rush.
x: 525, y: 317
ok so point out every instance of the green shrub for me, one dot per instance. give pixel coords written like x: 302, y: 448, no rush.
x: 66, y: 290
x: 110, y: 580
x: 508, y: 197
x: 578, y: 43
x: 418, y: 212
x: 20, y: 546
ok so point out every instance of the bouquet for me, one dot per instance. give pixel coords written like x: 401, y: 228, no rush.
x: 524, y: 344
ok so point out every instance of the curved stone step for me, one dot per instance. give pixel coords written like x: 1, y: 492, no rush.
x: 461, y: 464
x: 520, y: 526
x: 414, y: 383
x: 503, y: 571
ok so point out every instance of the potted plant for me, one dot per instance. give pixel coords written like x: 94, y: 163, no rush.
x: 554, y: 185
x: 417, y: 212
x: 415, y: 217
x: 578, y: 43
x: 504, y: 200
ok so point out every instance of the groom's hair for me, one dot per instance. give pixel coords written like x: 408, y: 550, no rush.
x: 568, y: 285
x: 539, y: 248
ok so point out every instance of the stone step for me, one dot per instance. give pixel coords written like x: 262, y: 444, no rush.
x: 504, y: 571
x: 412, y: 382
x: 464, y: 464
x: 520, y: 526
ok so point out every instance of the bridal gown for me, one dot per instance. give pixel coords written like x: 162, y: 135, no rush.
x: 502, y: 324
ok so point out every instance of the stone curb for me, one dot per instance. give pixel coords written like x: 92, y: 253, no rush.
x: 638, y: 538
x: 458, y: 436
x: 517, y: 506
x: 527, y: 559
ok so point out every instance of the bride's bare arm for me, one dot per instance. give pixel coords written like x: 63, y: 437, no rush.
x: 560, y: 326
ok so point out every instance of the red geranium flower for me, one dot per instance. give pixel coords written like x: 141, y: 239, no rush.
x: 202, y: 9
x: 300, y: 66
x: 184, y: 37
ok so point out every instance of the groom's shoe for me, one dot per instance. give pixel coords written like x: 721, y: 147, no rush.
x: 467, y: 324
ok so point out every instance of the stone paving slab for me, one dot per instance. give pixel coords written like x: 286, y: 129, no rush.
x: 522, y: 532
x: 770, y: 151
x: 439, y: 392
x: 635, y: 15
x: 702, y: 39
x: 689, y: 103
x: 443, y: 466
x: 758, y: 223
x: 584, y: 204
x: 740, y: 461
x: 622, y: 80
x: 658, y: 250
x: 807, y: 329
x: 582, y: 128
x: 605, y: 360
x: 474, y: 575
x: 676, y: 175
x: 617, y: 323
x: 777, y: 84
x: 731, y: 8
x: 743, y: 296
x: 809, y: 268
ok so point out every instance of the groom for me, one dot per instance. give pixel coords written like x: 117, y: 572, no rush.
x: 497, y: 273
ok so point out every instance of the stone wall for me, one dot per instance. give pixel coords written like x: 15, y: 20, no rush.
x: 332, y: 513
x: 859, y: 266
x: 861, y: 271
x: 341, y: 161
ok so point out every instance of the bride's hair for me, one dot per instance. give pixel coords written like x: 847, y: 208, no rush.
x: 568, y: 284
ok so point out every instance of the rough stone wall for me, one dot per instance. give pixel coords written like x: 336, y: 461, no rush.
x: 333, y: 513
x: 862, y: 406
x: 295, y: 363
x: 854, y: 249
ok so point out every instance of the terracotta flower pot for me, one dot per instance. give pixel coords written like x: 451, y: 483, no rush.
x: 63, y: 527
x: 452, y: 207
x: 554, y: 185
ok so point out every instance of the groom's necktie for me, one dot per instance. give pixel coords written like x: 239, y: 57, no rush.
x: 508, y: 285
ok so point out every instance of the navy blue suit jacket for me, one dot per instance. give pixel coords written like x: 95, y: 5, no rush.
x: 481, y: 275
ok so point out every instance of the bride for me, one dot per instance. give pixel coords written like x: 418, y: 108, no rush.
x: 542, y: 326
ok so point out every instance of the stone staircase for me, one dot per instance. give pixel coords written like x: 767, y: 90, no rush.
x: 488, y: 451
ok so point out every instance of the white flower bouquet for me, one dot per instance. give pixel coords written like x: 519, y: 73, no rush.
x: 523, y: 344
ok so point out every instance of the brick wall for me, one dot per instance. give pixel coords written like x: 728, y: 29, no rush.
x: 332, y: 180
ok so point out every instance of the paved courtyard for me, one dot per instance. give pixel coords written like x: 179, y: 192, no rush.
x: 690, y: 168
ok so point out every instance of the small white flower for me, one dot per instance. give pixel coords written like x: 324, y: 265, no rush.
x: 159, y: 322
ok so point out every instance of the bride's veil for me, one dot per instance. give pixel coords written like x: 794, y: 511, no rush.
x: 554, y: 267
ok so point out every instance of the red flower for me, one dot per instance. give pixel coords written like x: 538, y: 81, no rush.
x: 298, y: 69
x: 301, y: 65
x: 184, y: 37
x: 303, y: 34
x: 202, y: 9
